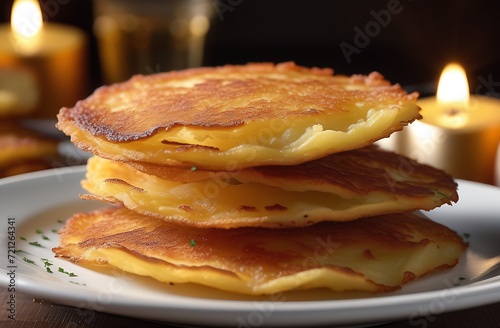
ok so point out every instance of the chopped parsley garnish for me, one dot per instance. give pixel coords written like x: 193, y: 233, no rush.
x: 193, y: 244
x: 35, y: 243
x: 71, y: 274
x: 457, y: 282
x: 22, y: 238
x: 47, y: 264
x: 193, y: 168
x: 40, y: 232
x: 54, y: 230
x: 28, y: 260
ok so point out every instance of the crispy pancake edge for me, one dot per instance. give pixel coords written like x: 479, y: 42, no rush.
x: 97, y: 238
x: 87, y: 114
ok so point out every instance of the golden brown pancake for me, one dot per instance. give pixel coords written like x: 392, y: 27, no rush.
x: 375, y: 254
x: 231, y: 117
x: 22, y: 147
x: 339, y: 187
x: 25, y: 167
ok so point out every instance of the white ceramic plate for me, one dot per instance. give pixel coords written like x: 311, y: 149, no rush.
x: 39, y: 202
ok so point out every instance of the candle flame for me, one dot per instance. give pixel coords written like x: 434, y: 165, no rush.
x: 453, y: 96
x: 26, y: 19
x: 453, y: 88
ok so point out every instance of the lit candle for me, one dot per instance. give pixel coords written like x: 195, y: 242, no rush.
x: 55, y: 55
x: 459, y: 133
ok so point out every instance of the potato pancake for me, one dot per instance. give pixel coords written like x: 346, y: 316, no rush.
x: 375, y: 254
x: 231, y: 117
x: 339, y: 187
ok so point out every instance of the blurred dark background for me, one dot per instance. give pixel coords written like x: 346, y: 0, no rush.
x: 410, y: 47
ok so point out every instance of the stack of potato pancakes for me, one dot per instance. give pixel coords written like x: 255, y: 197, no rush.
x: 23, y: 150
x: 256, y: 179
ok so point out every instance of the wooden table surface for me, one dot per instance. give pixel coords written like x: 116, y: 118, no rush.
x: 38, y: 313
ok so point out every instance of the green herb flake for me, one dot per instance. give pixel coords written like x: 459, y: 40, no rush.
x: 46, y: 262
x: 457, y: 281
x: 54, y: 230
x: 59, y: 221
x: 193, y: 168
x: 48, y: 270
x: 28, y: 260
x: 35, y: 243
x: 22, y: 238
x: 19, y: 251
x: 45, y: 238
x: 77, y: 283
x: 38, y: 231
x: 193, y: 244
x: 466, y: 234
x: 71, y: 274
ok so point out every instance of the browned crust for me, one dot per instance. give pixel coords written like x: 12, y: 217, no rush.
x: 122, y: 182
x: 276, y: 207
x: 255, y: 252
x: 226, y: 96
x: 247, y: 208
x: 408, y: 276
x: 365, y: 170
x: 359, y: 171
x: 395, y: 230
